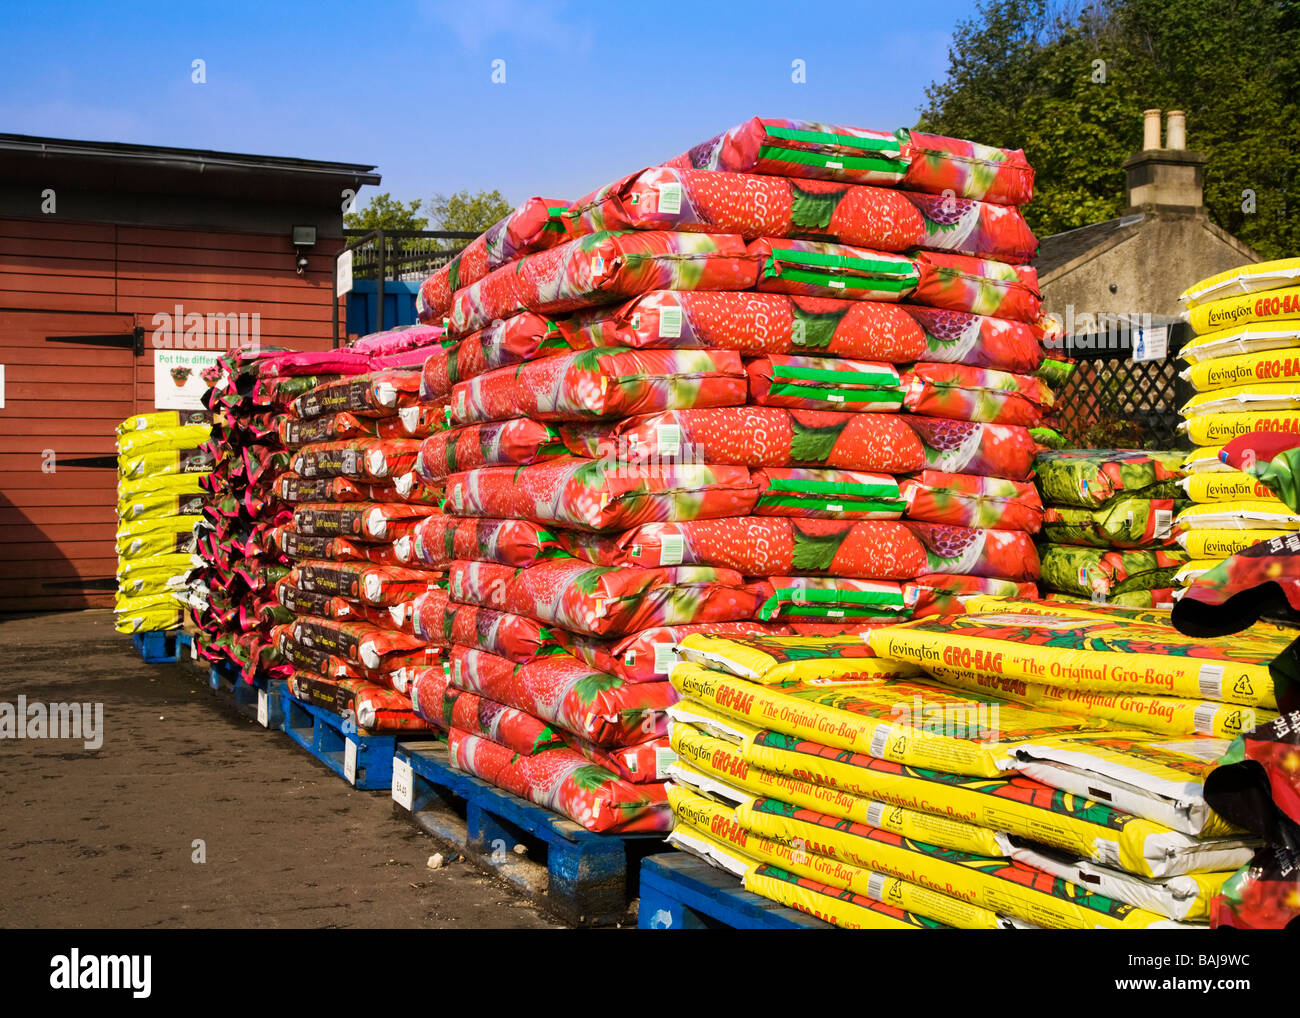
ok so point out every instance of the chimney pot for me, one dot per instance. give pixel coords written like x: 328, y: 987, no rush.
x: 1150, y: 130
x: 1176, y: 130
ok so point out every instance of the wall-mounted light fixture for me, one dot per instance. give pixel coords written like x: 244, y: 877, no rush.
x: 303, y: 237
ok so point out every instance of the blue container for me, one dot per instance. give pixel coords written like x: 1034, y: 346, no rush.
x: 399, y: 305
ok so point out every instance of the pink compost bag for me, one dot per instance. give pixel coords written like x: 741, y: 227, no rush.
x: 438, y: 540
x: 398, y: 340
x: 510, y: 727
x: 648, y: 656
x: 965, y: 393
x: 959, y: 337
x: 980, y: 286
x: 968, y: 500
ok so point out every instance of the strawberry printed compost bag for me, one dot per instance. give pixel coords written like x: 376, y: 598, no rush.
x: 602, y: 494
x: 513, y: 340
x: 603, y: 383
x: 513, y: 637
x: 607, y: 602
x: 438, y: 540
x: 518, y: 441
x: 567, y: 783
x: 981, y: 341
x: 759, y: 546
x: 818, y: 269
x: 827, y: 494
x: 649, y: 656
x: 603, y: 268
x: 753, y: 323
x: 514, y: 729
x: 707, y: 201
x: 563, y: 691
x: 833, y: 597
x: 981, y: 286
x: 824, y: 383
x: 361, y: 458
x: 777, y: 437
x: 965, y: 393
x: 970, y: 500
x: 533, y: 226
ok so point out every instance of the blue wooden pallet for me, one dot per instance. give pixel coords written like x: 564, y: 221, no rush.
x: 261, y: 701
x: 362, y: 759
x: 589, y: 878
x: 681, y: 892
x: 159, y: 646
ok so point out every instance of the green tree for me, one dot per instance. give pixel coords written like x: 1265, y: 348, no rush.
x: 1069, y: 86
x: 464, y: 212
x: 387, y: 213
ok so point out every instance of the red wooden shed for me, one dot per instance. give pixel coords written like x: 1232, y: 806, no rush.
x: 101, y: 246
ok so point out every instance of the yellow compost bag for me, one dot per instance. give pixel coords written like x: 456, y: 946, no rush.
x: 999, y: 885
x: 1186, y: 897
x: 1160, y: 715
x: 148, y: 538
x: 913, y: 723
x: 1244, y: 398
x: 844, y: 909
x: 1161, y: 779
x: 715, y: 758
x: 146, y: 620
x: 705, y: 818
x: 143, y: 585
x: 1267, y: 308
x: 1209, y: 487
x: 164, y: 419
x: 708, y: 828
x: 1221, y: 544
x: 1246, y: 339
x: 716, y: 853
x: 720, y: 726
x: 135, y: 443
x: 1015, y: 805
x: 160, y: 504
x: 1068, y: 609
x: 1220, y: 429
x: 1088, y: 654
x: 1260, y: 367
x: 149, y: 566
x: 1196, y: 567
x: 1252, y: 277
x: 176, y: 484
x: 1245, y: 514
x: 1206, y: 460
x: 792, y: 660
x: 165, y: 461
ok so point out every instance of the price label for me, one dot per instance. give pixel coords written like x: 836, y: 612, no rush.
x: 350, y: 761
x: 403, y: 784
x: 263, y: 710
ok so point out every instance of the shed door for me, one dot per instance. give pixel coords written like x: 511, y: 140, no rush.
x: 63, y: 400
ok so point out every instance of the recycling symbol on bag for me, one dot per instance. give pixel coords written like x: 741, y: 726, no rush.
x: 1243, y: 686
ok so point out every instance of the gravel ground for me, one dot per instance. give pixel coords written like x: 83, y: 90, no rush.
x: 107, y: 837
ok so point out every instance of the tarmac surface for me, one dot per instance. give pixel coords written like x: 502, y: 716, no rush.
x: 112, y: 837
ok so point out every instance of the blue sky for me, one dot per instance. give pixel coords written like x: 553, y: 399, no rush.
x: 591, y: 91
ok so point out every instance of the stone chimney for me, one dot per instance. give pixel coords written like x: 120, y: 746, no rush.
x: 1168, y: 178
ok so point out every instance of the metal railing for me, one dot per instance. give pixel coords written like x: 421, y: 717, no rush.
x: 1113, y: 401
x: 396, y: 255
